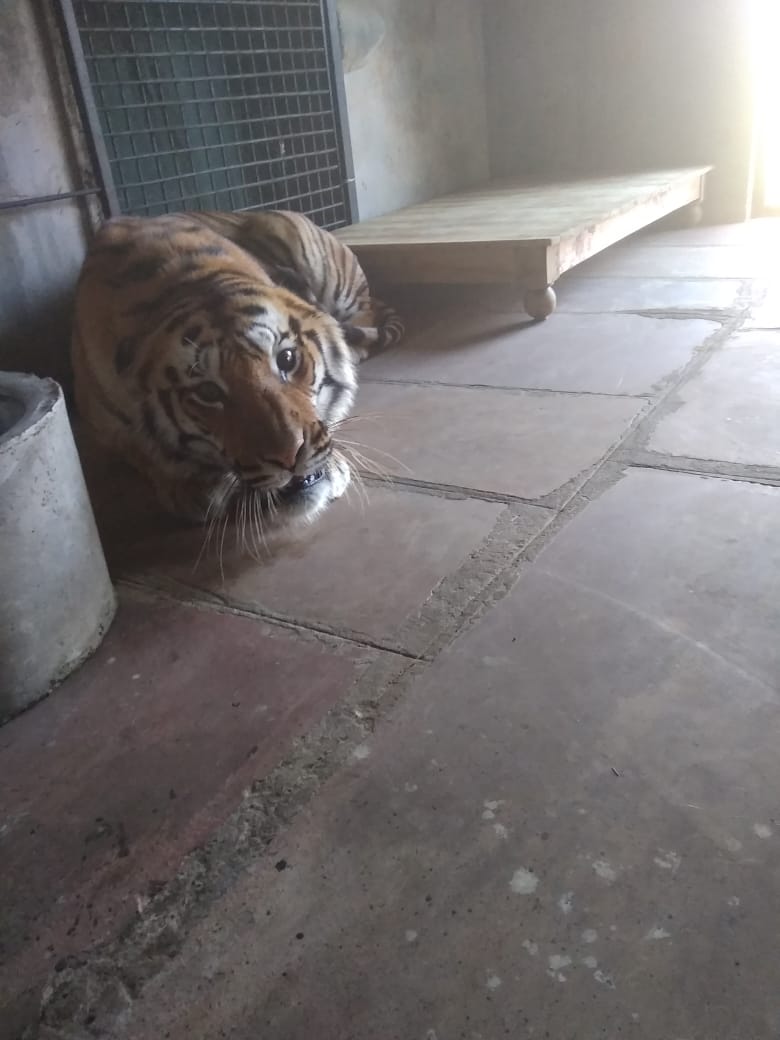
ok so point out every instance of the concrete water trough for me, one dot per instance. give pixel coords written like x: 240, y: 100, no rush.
x: 56, y: 597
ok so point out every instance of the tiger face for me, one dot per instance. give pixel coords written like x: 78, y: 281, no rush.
x: 252, y: 401
x: 223, y: 387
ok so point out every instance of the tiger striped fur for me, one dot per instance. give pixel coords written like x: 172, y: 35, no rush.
x: 195, y: 365
x: 316, y: 265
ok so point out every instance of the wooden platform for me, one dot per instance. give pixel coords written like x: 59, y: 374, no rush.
x: 517, y: 232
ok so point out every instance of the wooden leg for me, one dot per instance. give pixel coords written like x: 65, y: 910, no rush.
x: 693, y: 215
x: 540, y: 303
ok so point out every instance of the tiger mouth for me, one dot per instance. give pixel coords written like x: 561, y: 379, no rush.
x: 300, y: 484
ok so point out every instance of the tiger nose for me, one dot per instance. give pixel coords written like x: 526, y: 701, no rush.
x: 291, y: 454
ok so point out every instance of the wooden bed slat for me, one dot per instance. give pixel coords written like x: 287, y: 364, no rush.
x: 517, y: 231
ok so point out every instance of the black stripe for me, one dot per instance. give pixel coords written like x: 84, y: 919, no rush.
x: 149, y: 421
x: 168, y: 296
x: 143, y: 270
x: 165, y: 399
x: 124, y: 353
x: 116, y: 249
x: 111, y: 408
x: 354, y: 335
x: 192, y: 333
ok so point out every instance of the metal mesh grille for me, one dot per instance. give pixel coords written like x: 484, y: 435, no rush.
x: 216, y: 104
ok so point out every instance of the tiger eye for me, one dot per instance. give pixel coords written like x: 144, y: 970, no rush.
x: 286, y: 360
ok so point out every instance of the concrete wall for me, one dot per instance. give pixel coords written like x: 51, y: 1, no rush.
x: 415, y: 84
x: 577, y: 87
x: 40, y: 248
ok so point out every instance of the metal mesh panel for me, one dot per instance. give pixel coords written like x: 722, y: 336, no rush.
x: 216, y: 104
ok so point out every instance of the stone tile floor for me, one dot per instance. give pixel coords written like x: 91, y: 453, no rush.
x: 490, y: 752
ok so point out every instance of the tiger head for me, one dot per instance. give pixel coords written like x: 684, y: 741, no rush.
x: 224, y: 387
x: 254, y: 398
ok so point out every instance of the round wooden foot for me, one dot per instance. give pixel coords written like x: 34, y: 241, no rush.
x: 540, y: 303
x: 690, y: 216
x: 694, y: 215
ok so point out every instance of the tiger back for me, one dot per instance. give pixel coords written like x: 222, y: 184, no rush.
x: 318, y: 267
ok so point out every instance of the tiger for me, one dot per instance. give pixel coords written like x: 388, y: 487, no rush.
x: 317, y: 266
x: 196, y: 365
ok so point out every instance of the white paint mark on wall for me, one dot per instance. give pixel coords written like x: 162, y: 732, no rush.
x: 733, y: 901
x: 603, y: 979
x: 530, y: 947
x: 136, y: 676
x: 590, y: 962
x: 361, y: 752
x: 524, y: 882
x: 656, y: 934
x: 410, y: 935
x: 762, y: 830
x: 493, y: 981
x: 590, y: 935
x: 566, y: 902
x: 410, y: 788
x: 605, y: 870
x: 668, y: 860
x: 733, y: 844
x: 501, y: 831
x: 491, y: 807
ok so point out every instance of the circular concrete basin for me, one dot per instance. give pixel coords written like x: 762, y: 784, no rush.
x: 56, y: 597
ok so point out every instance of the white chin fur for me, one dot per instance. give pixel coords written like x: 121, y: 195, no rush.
x: 306, y: 508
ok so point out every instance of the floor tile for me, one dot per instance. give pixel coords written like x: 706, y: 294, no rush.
x: 568, y: 827
x: 510, y: 443
x: 680, y: 262
x: 595, y: 353
x: 730, y: 410
x: 362, y: 569
x: 134, y: 761
x: 766, y: 315
x: 761, y: 232
x: 593, y: 294
x: 696, y: 556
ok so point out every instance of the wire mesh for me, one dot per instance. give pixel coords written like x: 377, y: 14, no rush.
x: 217, y: 104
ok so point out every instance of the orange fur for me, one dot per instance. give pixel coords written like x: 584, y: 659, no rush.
x: 317, y: 265
x: 196, y: 366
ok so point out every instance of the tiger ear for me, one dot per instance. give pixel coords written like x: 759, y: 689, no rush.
x: 290, y: 279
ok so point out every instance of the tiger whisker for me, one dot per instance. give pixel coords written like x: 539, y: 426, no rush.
x: 370, y: 447
x: 214, y: 510
x: 259, y: 544
x: 225, y: 517
x: 368, y: 417
x: 365, y: 465
x: 357, y: 479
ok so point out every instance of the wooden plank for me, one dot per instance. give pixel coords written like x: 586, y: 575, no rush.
x: 442, y: 262
x: 550, y: 227
x: 585, y: 243
x: 516, y: 210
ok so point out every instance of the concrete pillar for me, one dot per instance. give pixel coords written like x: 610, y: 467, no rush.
x: 56, y: 597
